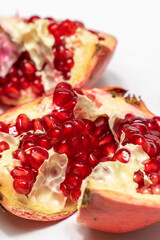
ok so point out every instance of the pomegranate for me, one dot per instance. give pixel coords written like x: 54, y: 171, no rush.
x: 36, y: 54
x: 94, y: 148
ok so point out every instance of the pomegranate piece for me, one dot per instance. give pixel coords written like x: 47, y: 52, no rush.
x: 33, y: 73
x: 59, y: 152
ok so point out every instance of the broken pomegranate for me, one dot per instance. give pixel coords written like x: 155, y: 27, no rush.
x: 36, y: 54
x: 91, y: 147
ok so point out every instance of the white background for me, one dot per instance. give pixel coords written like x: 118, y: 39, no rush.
x: 135, y: 66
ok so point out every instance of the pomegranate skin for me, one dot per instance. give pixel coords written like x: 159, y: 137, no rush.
x: 114, y: 212
x: 35, y: 216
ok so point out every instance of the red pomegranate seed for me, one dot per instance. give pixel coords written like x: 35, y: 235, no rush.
x: 69, y: 129
x: 21, y: 186
x: 70, y: 104
x: 21, y: 155
x: 11, y: 91
x: 22, y: 123
x: 81, y: 169
x: 152, y: 166
x: 94, y: 141
x: 106, y: 138
x: 4, y: 127
x: 64, y: 64
x: 54, y: 135
x: 151, y: 124
x: 29, y: 135
x: 86, y: 142
x: 155, y: 189
x: 109, y: 149
x: 64, y: 85
x: 129, y: 131
x: 53, y: 29
x: 79, y: 24
x: 101, y: 126
x: 37, y: 87
x: 81, y: 156
x: 67, y: 27
x: 138, y: 120
x: 14, y: 80
x: 37, y: 124
x: 75, y: 194
x: 37, y: 156
x: 77, y: 144
x: 157, y: 121
x: 155, y: 178
x: 4, y: 146
x: 28, y: 143
x: 43, y: 142
x: 63, y: 53
x: 73, y: 181
x: 28, y: 67
x: 62, y: 115
x: 24, y: 83
x: 49, y: 121
x: 64, y: 189
x: 122, y: 155
x: 80, y: 125
x: 141, y: 126
x: 152, y: 151
x: 64, y: 147
x: 33, y: 19
x: 22, y: 173
x: 146, y: 190
x: 66, y: 75
x: 79, y: 91
x: 129, y: 117
x: 50, y: 19
x: 138, y: 177
x: 138, y: 139
x: 94, y: 158
x: 121, y: 129
x: 61, y: 96
x: 89, y: 126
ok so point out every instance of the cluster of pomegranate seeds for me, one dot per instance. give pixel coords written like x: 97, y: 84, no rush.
x: 63, y: 60
x: 85, y: 143
x: 63, y: 56
x: 146, y: 133
x: 22, y: 75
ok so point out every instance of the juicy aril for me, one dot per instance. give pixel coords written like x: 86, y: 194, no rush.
x: 94, y: 146
x: 36, y: 54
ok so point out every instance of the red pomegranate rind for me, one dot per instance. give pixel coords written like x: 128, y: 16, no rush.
x: 24, y: 81
x: 114, y: 212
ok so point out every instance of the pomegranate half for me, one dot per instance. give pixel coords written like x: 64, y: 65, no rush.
x: 36, y: 54
x: 98, y: 147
